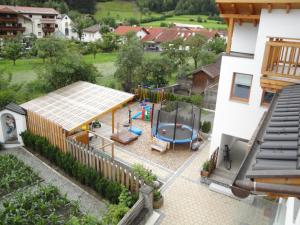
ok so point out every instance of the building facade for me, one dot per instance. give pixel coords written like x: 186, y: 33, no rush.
x: 34, y: 20
x: 91, y: 34
x: 263, y: 57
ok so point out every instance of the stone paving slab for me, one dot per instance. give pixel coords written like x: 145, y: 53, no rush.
x: 87, y: 203
x: 188, y: 202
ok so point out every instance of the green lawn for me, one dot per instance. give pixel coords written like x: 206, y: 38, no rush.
x: 26, y: 70
x: 189, y: 19
x: 120, y: 10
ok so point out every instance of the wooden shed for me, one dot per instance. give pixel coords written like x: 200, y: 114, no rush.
x: 63, y: 112
x: 206, y: 76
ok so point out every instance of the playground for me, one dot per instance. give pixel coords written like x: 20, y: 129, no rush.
x: 140, y: 115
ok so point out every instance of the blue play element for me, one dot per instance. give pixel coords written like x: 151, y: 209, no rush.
x: 135, y: 130
x: 135, y: 116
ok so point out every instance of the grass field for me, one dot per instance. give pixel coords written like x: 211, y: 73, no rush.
x: 121, y: 10
x: 26, y: 70
x: 188, y: 19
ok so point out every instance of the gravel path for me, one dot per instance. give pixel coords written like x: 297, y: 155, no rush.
x: 87, y: 203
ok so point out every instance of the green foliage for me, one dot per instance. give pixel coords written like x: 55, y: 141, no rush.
x: 84, y: 220
x: 217, y: 45
x: 109, y: 21
x: 206, y: 126
x: 93, y: 48
x: 67, y: 70
x: 156, y: 71
x: 128, y: 63
x: 51, y: 48
x: 175, y: 51
x: 109, y: 42
x: 87, y: 176
x: 132, y: 21
x: 13, y: 50
x: 115, y: 214
x: 126, y: 198
x: 14, y: 174
x: 44, y: 206
x: 156, y: 195
x: 145, y: 174
x: 196, y: 43
x: 206, y: 165
x: 80, y: 22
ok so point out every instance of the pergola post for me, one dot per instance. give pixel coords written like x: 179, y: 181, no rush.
x: 113, y: 121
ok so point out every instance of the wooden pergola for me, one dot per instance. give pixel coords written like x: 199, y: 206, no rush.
x: 63, y: 112
x: 249, y: 11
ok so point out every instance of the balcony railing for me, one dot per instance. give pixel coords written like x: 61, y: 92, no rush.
x: 282, y: 59
x: 12, y: 28
x: 48, y: 29
x: 9, y: 19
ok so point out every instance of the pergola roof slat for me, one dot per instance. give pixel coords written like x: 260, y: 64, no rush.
x: 77, y: 104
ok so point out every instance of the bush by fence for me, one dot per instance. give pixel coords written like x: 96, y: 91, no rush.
x: 156, y: 96
x: 110, y: 190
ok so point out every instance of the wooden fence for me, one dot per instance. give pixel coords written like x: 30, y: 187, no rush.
x: 111, y: 169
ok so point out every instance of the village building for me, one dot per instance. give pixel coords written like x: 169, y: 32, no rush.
x: 92, y: 33
x: 257, y: 114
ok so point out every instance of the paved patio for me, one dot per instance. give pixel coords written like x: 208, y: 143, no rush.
x: 188, y: 202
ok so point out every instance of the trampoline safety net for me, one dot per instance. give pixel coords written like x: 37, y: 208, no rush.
x: 176, y: 122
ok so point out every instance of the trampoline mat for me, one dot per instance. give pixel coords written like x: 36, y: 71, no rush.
x: 183, y: 133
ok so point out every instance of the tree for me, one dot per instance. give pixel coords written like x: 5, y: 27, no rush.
x: 156, y: 71
x: 109, y: 42
x: 80, y: 22
x: 128, y: 63
x: 94, y: 48
x: 217, y: 45
x: 195, y: 44
x: 50, y: 48
x: 13, y: 50
x: 175, y: 50
x: 109, y: 21
x: 67, y: 70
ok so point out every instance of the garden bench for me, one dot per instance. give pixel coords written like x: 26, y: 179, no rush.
x: 159, y: 145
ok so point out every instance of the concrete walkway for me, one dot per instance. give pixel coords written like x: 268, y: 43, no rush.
x: 87, y: 203
x: 188, y: 202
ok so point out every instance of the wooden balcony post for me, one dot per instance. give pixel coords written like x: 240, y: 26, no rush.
x: 230, y: 32
x: 264, y: 67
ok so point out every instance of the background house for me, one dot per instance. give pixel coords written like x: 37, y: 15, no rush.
x: 65, y: 26
x: 92, y: 33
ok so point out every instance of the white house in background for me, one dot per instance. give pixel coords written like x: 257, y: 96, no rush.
x: 65, y: 26
x: 263, y: 56
x: 92, y: 33
x: 12, y: 124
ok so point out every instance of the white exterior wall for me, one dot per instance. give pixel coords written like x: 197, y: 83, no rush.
x: 240, y: 119
x: 141, y: 34
x: 66, y: 22
x: 91, y: 37
x: 288, y: 212
x: 244, y: 38
x: 20, y: 126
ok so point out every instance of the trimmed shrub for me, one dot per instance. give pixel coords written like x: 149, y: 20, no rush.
x: 84, y: 174
x: 206, y: 127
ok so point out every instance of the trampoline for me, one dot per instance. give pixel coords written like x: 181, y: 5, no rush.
x: 176, y: 122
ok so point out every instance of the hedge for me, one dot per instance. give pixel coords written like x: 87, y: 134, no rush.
x: 84, y: 174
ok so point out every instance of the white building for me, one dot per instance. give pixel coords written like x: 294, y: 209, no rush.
x: 92, y: 33
x: 65, y: 26
x: 263, y: 53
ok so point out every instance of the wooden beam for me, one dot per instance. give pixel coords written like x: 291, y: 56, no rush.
x: 230, y: 32
x: 251, y: 9
x: 233, y: 6
x: 269, y: 7
x: 220, y: 8
x: 288, y: 7
x: 113, y: 121
x: 240, y: 16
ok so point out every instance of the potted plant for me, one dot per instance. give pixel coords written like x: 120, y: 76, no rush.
x: 205, y: 169
x: 158, y: 199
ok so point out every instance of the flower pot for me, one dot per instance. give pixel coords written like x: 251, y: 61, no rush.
x: 158, y: 203
x: 204, y: 173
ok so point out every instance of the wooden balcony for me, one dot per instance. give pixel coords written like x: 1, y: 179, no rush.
x: 12, y: 28
x: 48, y: 29
x: 281, y: 65
x: 9, y: 19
